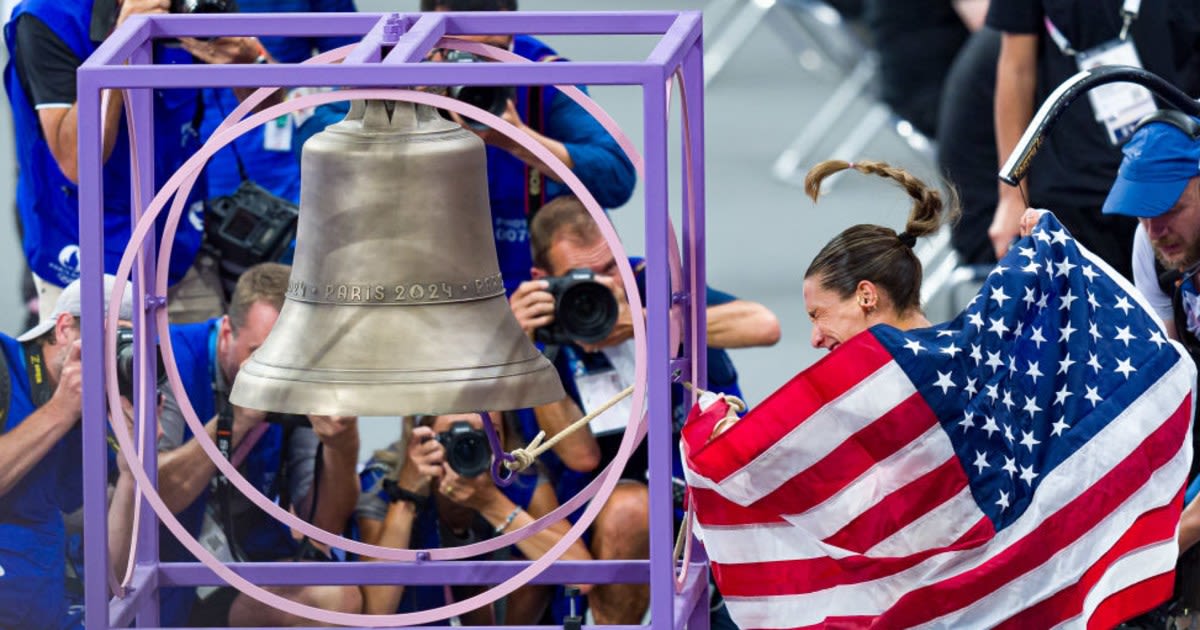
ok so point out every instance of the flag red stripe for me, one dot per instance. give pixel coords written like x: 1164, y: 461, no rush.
x: 713, y: 509
x: 901, y: 508
x: 791, y: 577
x: 1155, y: 525
x: 1133, y: 601
x: 846, y: 623
x: 1079, y: 516
x: 788, y: 407
x: 845, y: 463
x: 1055, y: 532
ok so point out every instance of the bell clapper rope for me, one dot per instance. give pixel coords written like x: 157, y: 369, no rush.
x: 523, y: 458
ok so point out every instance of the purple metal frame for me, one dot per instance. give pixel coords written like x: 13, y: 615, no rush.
x: 124, y: 62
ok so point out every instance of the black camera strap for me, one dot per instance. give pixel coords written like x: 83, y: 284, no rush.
x: 5, y: 392
x: 535, y: 188
x: 237, y: 157
x: 307, y: 549
x: 224, y: 492
x: 39, y: 381
x: 224, y: 445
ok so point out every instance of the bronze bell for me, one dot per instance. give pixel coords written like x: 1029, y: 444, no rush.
x: 395, y: 304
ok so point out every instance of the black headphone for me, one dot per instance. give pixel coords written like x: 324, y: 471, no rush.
x: 1175, y: 118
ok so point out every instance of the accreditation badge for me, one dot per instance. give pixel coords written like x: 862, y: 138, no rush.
x: 1118, y: 106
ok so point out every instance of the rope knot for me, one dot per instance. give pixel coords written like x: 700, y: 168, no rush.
x: 523, y: 458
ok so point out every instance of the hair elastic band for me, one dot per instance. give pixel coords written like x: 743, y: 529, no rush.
x: 907, y: 239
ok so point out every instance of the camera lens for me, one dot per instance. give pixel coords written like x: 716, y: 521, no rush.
x: 470, y: 455
x: 486, y: 97
x: 587, y: 311
x: 125, y: 362
x: 201, y: 6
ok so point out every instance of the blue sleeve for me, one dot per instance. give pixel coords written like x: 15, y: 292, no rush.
x: 717, y: 298
x: 372, y: 500
x: 70, y: 474
x: 322, y: 117
x: 599, y: 161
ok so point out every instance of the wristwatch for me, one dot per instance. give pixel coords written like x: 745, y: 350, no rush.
x: 396, y: 493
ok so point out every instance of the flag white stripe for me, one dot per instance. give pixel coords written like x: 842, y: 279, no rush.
x: 822, y: 432
x: 938, y: 527
x: 1079, y: 472
x: 874, y: 597
x: 917, y: 458
x: 786, y: 542
x: 1068, y: 564
x: 764, y: 543
x: 1129, y: 570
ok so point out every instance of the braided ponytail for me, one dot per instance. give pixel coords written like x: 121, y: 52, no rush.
x: 877, y: 253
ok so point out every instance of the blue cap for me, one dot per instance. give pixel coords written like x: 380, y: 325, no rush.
x: 1159, y: 161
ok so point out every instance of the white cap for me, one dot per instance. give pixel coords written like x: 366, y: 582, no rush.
x: 69, y: 302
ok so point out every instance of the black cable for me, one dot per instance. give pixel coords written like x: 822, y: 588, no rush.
x: 232, y: 145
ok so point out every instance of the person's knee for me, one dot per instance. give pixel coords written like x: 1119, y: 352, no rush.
x: 340, y: 598
x: 621, y: 528
x: 245, y: 611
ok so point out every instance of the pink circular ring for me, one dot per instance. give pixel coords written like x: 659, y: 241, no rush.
x: 259, y: 97
x: 606, y: 481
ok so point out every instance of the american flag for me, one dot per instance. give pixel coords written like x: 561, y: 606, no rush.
x: 1021, y: 466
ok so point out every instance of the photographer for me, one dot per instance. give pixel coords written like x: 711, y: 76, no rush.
x: 264, y: 155
x: 47, y: 41
x: 565, y: 238
x: 518, y: 183
x: 310, y: 469
x: 40, y: 451
x: 433, y: 489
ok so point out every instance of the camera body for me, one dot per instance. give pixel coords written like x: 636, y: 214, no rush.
x: 288, y: 420
x: 585, y: 311
x: 250, y: 226
x: 490, y: 98
x: 125, y: 363
x: 467, y: 449
x: 203, y: 6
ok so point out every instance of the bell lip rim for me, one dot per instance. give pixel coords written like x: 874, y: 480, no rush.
x: 535, y: 363
x: 545, y: 388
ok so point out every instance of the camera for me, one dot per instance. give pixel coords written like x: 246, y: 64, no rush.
x: 125, y: 363
x: 203, y: 6
x: 467, y: 449
x: 490, y: 98
x: 288, y: 420
x: 250, y: 226
x: 585, y: 311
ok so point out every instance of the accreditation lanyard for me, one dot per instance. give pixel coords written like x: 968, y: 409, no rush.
x: 1117, y: 106
x: 1129, y: 14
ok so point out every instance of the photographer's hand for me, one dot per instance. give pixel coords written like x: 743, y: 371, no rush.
x: 623, y: 328
x: 478, y: 493
x: 423, y: 461
x: 221, y: 50
x: 336, y: 432
x: 532, y: 305
x: 497, y: 139
x: 67, y: 400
